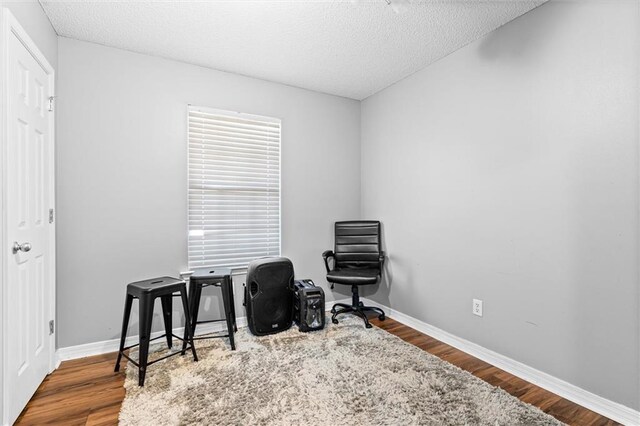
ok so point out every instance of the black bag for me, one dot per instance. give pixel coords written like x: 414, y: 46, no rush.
x: 308, y: 305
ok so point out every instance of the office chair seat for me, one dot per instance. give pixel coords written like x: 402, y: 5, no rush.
x: 354, y: 276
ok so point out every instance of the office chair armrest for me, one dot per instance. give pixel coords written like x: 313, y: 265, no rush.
x: 326, y: 255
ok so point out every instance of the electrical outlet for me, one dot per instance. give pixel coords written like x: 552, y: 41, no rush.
x: 477, y: 307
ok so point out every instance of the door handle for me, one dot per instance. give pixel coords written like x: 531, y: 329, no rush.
x: 25, y: 247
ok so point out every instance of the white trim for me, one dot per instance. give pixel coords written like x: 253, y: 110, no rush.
x: 600, y: 405
x: 227, y: 113
x: 3, y: 225
x: 198, y: 160
x: 107, y: 346
x: 11, y: 25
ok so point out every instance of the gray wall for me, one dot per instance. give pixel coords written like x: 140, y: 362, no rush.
x: 508, y: 172
x: 121, y: 175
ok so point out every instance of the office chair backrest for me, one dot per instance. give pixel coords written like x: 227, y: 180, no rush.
x: 357, y: 244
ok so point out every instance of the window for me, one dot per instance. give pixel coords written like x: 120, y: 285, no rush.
x: 234, y: 188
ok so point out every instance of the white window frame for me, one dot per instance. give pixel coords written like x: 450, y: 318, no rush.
x: 239, y: 115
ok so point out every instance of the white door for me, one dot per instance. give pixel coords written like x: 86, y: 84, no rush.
x: 29, y: 233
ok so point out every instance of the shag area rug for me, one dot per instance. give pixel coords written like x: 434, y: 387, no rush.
x: 344, y: 374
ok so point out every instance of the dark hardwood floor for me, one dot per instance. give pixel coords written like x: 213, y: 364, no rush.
x: 83, y: 391
x: 87, y: 392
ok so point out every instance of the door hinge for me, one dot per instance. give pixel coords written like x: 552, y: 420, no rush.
x: 51, y: 103
x: 51, y: 327
x: 50, y: 215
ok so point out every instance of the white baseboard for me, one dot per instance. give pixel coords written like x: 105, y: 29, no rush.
x: 106, y: 346
x: 600, y: 405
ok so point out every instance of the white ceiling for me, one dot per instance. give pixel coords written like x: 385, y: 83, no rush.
x: 350, y: 48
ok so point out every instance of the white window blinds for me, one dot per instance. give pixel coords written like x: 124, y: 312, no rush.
x: 234, y: 188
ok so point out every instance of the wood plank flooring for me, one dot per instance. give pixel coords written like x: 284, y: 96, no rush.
x: 83, y: 391
x: 87, y: 392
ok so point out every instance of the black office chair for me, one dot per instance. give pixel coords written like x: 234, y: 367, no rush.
x: 357, y: 260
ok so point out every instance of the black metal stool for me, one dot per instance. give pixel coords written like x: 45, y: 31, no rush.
x: 146, y: 292
x: 217, y: 277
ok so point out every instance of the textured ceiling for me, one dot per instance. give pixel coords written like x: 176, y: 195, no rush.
x: 350, y: 48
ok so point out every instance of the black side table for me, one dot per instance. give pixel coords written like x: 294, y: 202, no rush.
x: 146, y: 292
x: 217, y: 277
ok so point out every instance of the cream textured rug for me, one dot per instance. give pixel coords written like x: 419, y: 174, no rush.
x: 343, y: 374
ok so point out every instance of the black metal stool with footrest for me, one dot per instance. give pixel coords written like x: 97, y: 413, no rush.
x: 146, y: 292
x: 217, y: 277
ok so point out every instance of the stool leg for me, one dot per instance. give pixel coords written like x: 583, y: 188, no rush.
x: 232, y: 303
x: 187, y: 324
x: 196, y: 308
x: 167, y: 314
x: 195, y: 294
x: 146, y: 317
x: 226, y: 296
x: 128, y: 301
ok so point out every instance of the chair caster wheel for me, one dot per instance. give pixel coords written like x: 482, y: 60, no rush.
x: 333, y: 320
x: 382, y: 317
x: 368, y: 325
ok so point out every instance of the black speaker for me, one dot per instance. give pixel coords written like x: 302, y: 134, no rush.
x: 308, y: 305
x: 268, y: 295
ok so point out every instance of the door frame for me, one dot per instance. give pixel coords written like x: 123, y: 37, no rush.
x: 9, y: 26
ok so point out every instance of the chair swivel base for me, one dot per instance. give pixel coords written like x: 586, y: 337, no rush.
x: 358, y: 309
